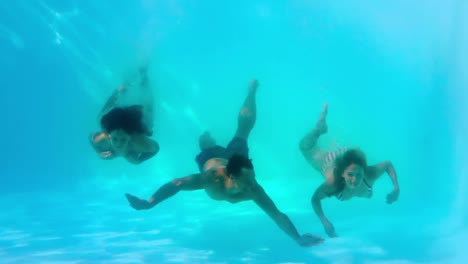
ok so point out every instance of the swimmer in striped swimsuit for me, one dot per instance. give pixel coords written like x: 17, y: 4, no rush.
x: 345, y: 170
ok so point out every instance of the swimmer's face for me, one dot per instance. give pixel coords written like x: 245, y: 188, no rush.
x: 353, y: 175
x: 242, y: 181
x: 119, y: 139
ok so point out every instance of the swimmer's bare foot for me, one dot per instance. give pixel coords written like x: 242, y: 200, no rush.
x: 253, y: 86
x: 321, y: 126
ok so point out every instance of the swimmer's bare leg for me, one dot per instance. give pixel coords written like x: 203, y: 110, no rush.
x: 308, y: 144
x: 248, y: 113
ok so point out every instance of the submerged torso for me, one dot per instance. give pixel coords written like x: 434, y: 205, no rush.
x: 219, y: 186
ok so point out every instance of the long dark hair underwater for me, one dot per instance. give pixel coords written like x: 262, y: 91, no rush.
x: 351, y: 156
x: 128, y: 119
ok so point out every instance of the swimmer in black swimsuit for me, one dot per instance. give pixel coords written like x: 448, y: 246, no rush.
x: 227, y: 174
x: 126, y: 129
x: 345, y: 171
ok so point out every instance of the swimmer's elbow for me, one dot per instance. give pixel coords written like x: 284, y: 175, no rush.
x: 156, y: 148
x: 389, y: 165
x: 94, y: 141
x: 316, y: 197
x: 144, y: 157
x: 319, y: 194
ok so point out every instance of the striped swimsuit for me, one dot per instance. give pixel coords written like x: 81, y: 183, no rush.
x: 330, y: 158
x: 339, y: 195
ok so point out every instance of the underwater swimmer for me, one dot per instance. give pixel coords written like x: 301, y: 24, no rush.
x: 227, y: 174
x: 345, y: 171
x: 126, y: 130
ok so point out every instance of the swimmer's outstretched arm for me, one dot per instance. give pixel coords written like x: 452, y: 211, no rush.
x: 188, y: 183
x: 320, y: 194
x: 262, y: 199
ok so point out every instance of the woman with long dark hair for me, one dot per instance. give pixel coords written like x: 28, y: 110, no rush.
x: 126, y: 130
x: 345, y: 170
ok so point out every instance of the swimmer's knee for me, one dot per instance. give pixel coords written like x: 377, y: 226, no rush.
x: 304, y: 147
x: 246, y: 113
x: 246, y: 117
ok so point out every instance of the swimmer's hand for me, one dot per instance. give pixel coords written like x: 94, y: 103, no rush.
x: 137, y: 203
x: 330, y: 229
x: 308, y: 240
x: 393, y: 196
